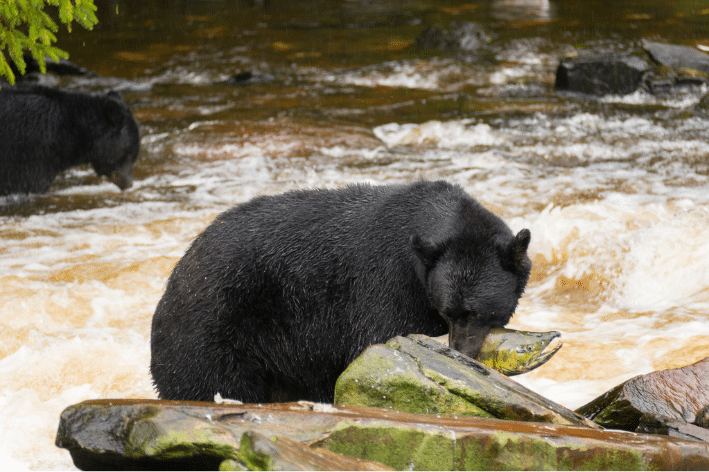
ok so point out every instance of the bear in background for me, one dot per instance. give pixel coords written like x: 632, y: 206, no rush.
x: 278, y: 295
x: 44, y: 131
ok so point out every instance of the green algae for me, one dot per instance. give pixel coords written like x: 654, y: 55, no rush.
x: 178, y: 440
x: 406, y: 447
x: 384, y: 378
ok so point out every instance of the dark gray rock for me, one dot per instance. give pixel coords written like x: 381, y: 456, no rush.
x: 658, y: 424
x: 601, y: 74
x: 678, y: 57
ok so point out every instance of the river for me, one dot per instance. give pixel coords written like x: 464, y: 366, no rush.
x: 615, y: 190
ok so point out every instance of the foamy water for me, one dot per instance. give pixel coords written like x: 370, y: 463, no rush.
x: 623, y: 275
x: 615, y: 192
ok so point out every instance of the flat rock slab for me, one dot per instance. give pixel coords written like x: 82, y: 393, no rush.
x: 419, y: 375
x: 158, y: 434
x: 677, y: 56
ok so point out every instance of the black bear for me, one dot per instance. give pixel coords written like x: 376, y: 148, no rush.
x: 278, y: 295
x: 44, y: 131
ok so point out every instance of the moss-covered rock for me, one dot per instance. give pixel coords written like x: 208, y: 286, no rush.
x: 406, y: 446
x: 385, y: 378
x: 257, y: 452
x: 418, y: 375
x: 160, y: 435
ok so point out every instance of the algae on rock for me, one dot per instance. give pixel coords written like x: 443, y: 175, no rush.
x: 418, y: 375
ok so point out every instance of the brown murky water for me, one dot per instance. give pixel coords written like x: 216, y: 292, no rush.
x: 614, y: 190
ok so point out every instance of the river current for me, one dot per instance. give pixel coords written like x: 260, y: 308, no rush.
x: 615, y: 190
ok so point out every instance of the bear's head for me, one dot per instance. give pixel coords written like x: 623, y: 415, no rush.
x: 116, y: 150
x: 474, y: 282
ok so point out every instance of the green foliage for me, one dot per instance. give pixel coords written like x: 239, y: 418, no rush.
x: 26, y: 26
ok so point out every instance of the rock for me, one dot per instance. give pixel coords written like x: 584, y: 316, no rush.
x: 704, y: 103
x: 678, y: 57
x: 601, y: 74
x: 257, y: 452
x: 154, y: 434
x: 658, y: 424
x: 703, y: 418
x: 249, y: 77
x: 161, y: 434
x: 658, y: 68
x: 464, y: 37
x: 679, y: 394
x: 677, y: 66
x: 418, y: 375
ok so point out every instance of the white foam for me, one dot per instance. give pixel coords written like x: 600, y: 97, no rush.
x: 449, y: 134
x: 78, y: 288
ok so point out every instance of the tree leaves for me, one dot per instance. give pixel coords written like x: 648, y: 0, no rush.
x: 25, y: 25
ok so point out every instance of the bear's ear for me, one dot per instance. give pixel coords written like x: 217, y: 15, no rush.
x: 115, y: 96
x: 514, y: 254
x: 426, y: 251
x: 114, y: 112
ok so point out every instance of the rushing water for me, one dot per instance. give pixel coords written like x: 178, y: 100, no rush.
x: 614, y: 190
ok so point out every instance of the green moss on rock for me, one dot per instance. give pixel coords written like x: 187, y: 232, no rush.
x: 178, y: 439
x: 385, y: 378
x: 406, y: 447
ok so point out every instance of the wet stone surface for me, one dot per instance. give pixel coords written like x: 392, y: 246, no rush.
x: 419, y: 375
x: 153, y: 434
x: 661, y: 401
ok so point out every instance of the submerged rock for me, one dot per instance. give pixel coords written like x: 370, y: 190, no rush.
x: 463, y: 37
x: 249, y: 77
x: 676, y: 394
x: 155, y: 434
x: 418, y: 375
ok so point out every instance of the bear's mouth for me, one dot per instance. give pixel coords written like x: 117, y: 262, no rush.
x: 122, y: 176
x: 123, y: 182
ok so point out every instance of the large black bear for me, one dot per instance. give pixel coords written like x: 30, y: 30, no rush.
x: 278, y: 295
x: 45, y: 131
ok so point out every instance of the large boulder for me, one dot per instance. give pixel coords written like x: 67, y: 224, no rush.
x: 661, y: 401
x: 419, y: 375
x: 160, y: 434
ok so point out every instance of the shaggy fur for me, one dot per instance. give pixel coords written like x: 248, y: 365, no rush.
x: 278, y: 295
x: 45, y: 131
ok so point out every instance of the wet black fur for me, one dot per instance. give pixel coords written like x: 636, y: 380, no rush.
x: 278, y: 295
x: 44, y: 131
